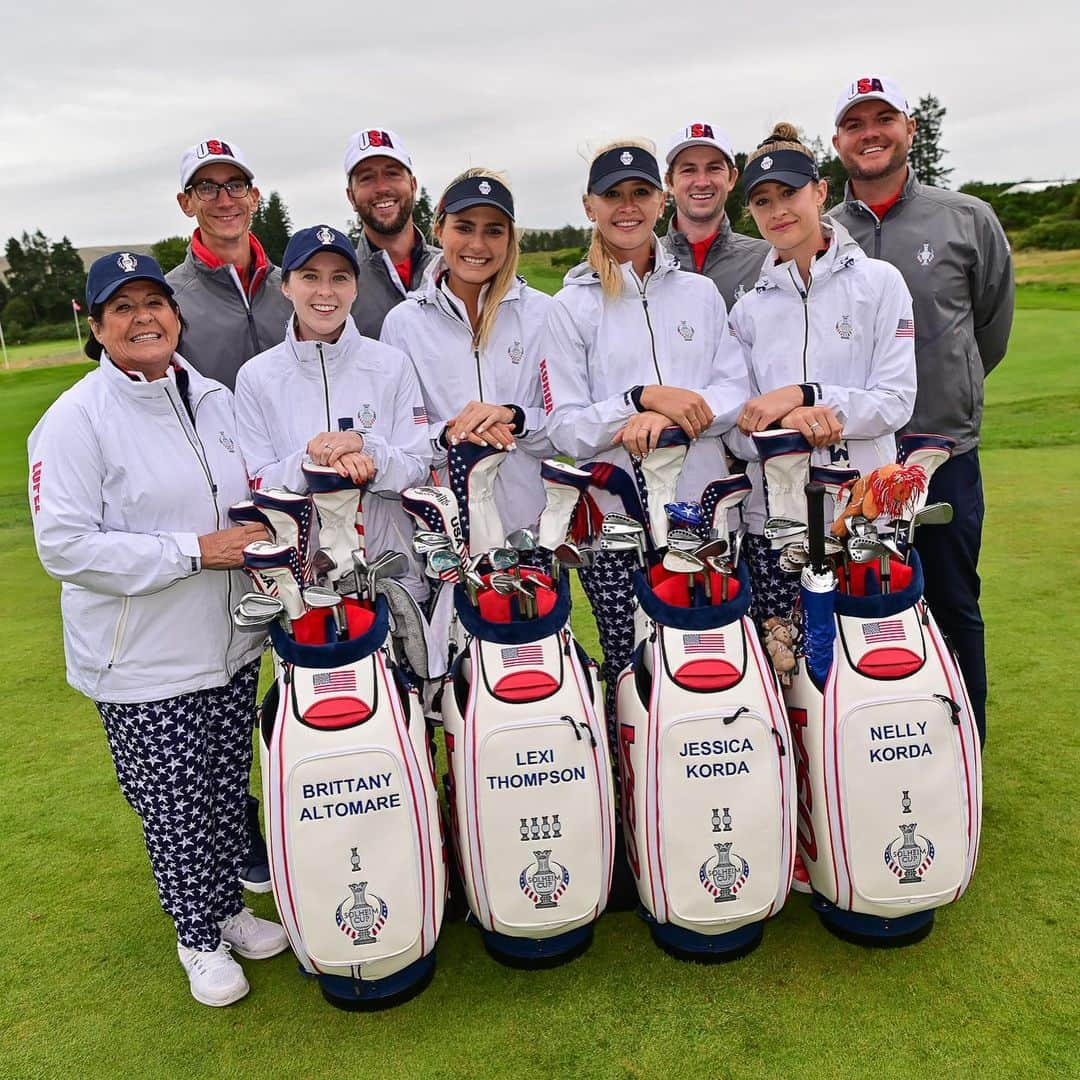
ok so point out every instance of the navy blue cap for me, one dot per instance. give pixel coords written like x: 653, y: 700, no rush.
x: 110, y: 272
x: 623, y: 163
x: 477, y: 191
x: 789, y: 167
x: 308, y: 242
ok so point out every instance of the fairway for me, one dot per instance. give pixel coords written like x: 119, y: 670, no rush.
x: 92, y: 986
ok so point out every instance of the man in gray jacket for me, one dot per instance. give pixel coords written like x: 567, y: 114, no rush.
x: 381, y: 188
x: 700, y: 175
x: 228, y: 290
x: 956, y: 261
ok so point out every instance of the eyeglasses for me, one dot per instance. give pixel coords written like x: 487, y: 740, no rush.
x: 207, y: 190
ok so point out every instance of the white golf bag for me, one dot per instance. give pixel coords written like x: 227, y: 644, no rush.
x: 352, y: 813
x: 706, y: 769
x: 889, y: 771
x: 529, y: 782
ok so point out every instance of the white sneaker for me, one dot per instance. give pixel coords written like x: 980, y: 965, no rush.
x: 253, y: 937
x: 215, y: 977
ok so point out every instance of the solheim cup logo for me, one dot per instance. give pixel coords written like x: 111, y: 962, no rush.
x: 626, y: 157
x: 325, y: 235
x: 361, y: 916
x: 766, y: 162
x: 544, y: 881
x: 724, y: 874
x: 484, y: 187
x: 909, y: 855
x: 127, y: 262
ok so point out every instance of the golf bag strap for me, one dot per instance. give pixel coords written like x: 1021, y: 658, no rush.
x: 335, y: 654
x: 514, y: 633
x: 694, y: 618
x: 883, y: 605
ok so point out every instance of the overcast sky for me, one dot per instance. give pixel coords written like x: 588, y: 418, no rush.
x: 97, y: 101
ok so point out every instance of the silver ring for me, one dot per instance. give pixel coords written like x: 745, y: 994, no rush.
x: 814, y: 425
x: 326, y: 445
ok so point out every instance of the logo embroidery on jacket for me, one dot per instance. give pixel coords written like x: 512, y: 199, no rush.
x: 925, y: 255
x: 366, y: 415
x: 739, y: 293
x: 844, y: 328
x: 227, y: 442
x: 686, y: 331
x: 515, y: 352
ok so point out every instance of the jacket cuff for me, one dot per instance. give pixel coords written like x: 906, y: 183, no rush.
x: 188, y: 546
x: 517, y: 425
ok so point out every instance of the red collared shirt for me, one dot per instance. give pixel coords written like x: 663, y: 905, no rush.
x: 251, y: 278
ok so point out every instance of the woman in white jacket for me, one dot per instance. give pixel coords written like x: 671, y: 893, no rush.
x: 473, y: 332
x: 331, y: 396
x: 828, y: 337
x: 627, y: 337
x: 132, y: 472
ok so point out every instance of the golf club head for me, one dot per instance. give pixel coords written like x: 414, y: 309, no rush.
x: 832, y: 545
x: 781, y: 528
x: 503, y: 558
x: 718, y: 545
x: 940, y: 513
x: 682, y: 562
x: 683, y: 539
x: 864, y: 549
x: 737, y: 544
x: 522, y: 540
x: 317, y: 596
x: 444, y: 565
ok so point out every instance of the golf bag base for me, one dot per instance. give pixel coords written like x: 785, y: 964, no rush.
x: 371, y: 995
x: 703, y: 948
x: 535, y: 953
x: 873, y: 931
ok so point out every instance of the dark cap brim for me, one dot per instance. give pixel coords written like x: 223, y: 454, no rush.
x: 604, y: 183
x: 788, y: 179
x: 113, y: 286
x: 475, y: 200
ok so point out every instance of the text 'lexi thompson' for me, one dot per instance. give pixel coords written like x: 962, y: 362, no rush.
x: 337, y: 807
x: 536, y: 777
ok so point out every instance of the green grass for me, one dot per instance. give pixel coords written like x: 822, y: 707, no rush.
x: 64, y: 351
x: 92, y: 988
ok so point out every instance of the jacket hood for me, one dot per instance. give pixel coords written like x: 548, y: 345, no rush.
x: 664, y: 262
x: 152, y: 392
x: 843, y: 252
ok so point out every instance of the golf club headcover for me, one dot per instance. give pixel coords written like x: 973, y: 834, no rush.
x: 927, y: 451
x: 722, y: 495
x: 436, y: 509
x: 564, y: 486
x: 659, y: 471
x: 407, y: 625
x: 785, y: 462
x: 246, y: 512
x: 616, y: 481
x: 837, y: 484
x: 338, y: 503
x: 289, y: 515
x: 889, y: 491
x: 279, y: 564
x: 472, y: 472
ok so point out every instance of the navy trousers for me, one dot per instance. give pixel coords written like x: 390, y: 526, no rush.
x: 950, y: 558
x: 183, y: 765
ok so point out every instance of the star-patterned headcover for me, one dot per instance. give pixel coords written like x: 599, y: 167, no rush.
x: 264, y: 555
x: 289, y: 515
x: 916, y: 441
x: 610, y: 478
x: 462, y: 459
x: 435, y: 509
x: 721, y: 495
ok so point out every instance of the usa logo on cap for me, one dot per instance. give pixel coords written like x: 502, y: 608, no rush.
x: 700, y: 131
x: 870, y: 85
x: 626, y: 157
x: 127, y: 262
x: 325, y: 235
x: 374, y: 138
x: 213, y: 148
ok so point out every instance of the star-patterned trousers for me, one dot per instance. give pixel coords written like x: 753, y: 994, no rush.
x: 183, y: 765
x: 773, y: 592
x: 611, y: 596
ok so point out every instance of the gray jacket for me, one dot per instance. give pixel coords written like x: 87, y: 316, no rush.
x: 733, y: 261
x: 956, y: 261
x: 377, y: 286
x: 225, y: 327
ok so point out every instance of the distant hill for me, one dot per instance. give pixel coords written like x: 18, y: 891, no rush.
x: 89, y: 254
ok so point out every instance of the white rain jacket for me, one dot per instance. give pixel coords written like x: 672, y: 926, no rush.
x: 432, y: 327
x: 849, y: 334
x: 669, y: 328
x: 291, y: 392
x: 122, y: 484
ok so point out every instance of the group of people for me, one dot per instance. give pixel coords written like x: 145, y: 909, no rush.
x: 884, y: 315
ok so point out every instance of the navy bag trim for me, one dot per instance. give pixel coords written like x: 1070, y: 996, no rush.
x: 883, y: 605
x: 694, y: 618
x: 514, y: 633
x: 335, y: 653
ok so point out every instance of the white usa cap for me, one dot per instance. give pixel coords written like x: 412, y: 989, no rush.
x: 210, y: 152
x: 871, y: 88
x: 699, y: 134
x: 375, y: 142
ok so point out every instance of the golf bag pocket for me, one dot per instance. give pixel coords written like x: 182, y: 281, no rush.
x: 353, y: 828
x: 529, y: 782
x: 900, y: 769
x: 705, y: 765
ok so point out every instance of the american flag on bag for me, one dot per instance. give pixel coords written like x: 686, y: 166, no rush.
x: 522, y: 655
x: 334, y: 682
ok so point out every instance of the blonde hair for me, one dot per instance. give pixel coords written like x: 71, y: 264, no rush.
x: 500, y: 284
x: 599, y: 255
x: 784, y: 136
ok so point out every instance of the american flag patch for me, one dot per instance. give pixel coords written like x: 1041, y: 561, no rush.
x: 549, y: 403
x: 520, y: 655
x: 419, y: 416
x: 905, y: 328
x: 334, y: 682
x: 885, y: 630
x: 698, y: 643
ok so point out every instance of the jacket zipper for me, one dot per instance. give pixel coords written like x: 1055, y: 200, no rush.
x: 325, y: 382
x: 648, y: 322
x: 806, y: 320
x: 118, y: 633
